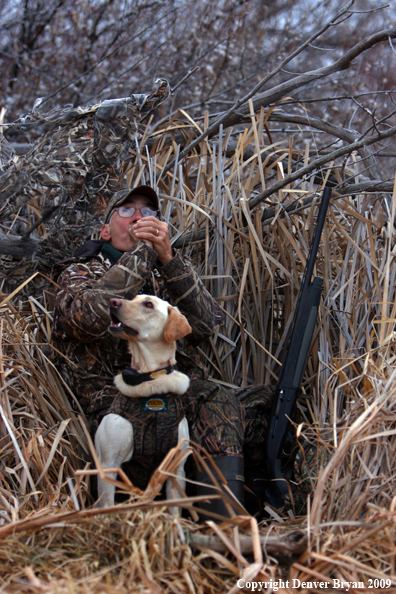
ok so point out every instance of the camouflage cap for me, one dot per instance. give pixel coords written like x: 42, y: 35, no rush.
x: 123, y: 195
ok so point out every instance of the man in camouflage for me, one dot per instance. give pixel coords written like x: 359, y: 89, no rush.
x: 135, y: 256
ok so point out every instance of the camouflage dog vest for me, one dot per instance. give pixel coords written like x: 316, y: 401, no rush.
x: 155, y: 421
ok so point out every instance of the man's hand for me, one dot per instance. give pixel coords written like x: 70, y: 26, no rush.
x: 155, y: 234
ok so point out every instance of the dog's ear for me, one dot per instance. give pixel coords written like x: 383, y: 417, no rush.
x: 176, y: 325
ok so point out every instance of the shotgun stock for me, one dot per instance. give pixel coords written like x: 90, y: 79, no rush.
x: 294, y: 364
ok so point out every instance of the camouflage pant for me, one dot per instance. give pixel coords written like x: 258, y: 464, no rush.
x: 216, y: 419
x: 256, y: 402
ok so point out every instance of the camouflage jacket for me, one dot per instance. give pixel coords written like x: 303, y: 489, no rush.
x: 90, y: 356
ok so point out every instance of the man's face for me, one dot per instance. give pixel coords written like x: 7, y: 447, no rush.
x: 116, y: 231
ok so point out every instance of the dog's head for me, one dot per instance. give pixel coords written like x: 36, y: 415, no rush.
x: 147, y: 318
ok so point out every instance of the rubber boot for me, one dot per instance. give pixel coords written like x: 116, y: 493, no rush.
x: 232, y: 468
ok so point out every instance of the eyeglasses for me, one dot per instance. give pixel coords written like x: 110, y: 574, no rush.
x: 129, y: 211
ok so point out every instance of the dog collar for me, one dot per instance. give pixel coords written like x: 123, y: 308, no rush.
x: 134, y: 378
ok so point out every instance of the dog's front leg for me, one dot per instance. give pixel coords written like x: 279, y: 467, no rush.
x: 114, y: 445
x: 171, y: 492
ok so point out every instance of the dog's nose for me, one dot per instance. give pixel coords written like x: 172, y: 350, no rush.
x: 115, y: 303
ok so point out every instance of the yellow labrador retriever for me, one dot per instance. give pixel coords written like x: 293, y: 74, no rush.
x: 151, y: 327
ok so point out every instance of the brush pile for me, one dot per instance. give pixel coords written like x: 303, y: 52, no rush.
x: 249, y: 245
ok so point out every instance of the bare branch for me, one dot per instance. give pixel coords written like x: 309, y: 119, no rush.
x: 284, y: 89
x: 102, y: 59
x: 318, y: 163
x: 391, y: 45
x: 18, y: 247
x: 334, y: 130
x: 223, y: 119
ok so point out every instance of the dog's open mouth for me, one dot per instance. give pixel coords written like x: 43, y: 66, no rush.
x: 117, y: 327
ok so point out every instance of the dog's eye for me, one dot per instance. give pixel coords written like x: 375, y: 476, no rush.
x: 149, y: 305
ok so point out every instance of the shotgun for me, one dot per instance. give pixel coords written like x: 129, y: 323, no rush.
x: 294, y: 364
